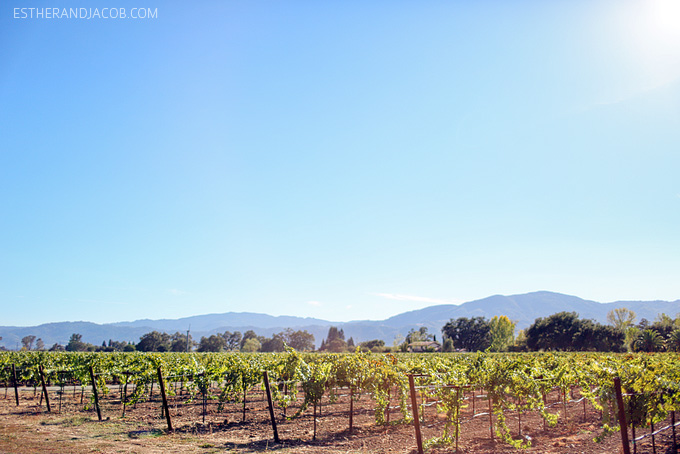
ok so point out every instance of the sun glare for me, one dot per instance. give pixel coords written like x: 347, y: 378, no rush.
x: 651, y: 36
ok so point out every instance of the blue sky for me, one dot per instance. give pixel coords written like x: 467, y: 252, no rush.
x: 341, y: 160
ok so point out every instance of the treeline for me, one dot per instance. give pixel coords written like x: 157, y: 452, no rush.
x: 563, y: 331
x: 227, y: 341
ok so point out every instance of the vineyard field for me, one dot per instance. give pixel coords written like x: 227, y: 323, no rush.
x: 359, y: 402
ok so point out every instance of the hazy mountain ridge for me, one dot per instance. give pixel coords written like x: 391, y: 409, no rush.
x: 523, y: 309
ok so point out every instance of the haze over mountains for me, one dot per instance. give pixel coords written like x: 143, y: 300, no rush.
x: 523, y: 309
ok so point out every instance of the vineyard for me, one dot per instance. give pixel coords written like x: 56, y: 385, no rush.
x: 424, y: 402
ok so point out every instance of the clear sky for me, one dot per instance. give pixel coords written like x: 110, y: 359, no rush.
x: 337, y: 159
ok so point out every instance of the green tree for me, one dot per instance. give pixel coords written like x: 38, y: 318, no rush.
x: 502, y: 332
x: 76, y: 344
x: 154, y: 342
x: 252, y: 344
x: 214, y: 343
x: 250, y: 334
x: 555, y: 332
x: 471, y: 334
x: 648, y: 341
x: 335, y: 341
x: 233, y: 340
x: 565, y: 331
x: 300, y: 340
x: 593, y: 336
x: 375, y: 345
x: 179, y: 342
x: 276, y: 343
x: 673, y: 342
x: 27, y: 342
x: 39, y: 344
x: 623, y: 319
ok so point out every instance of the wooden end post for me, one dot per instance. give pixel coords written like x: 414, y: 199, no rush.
x: 271, y: 406
x: 44, y: 388
x: 16, y: 386
x: 622, y: 416
x: 165, y: 399
x: 414, y: 409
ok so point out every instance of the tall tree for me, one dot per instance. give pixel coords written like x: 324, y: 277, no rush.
x: 565, y: 331
x: 648, y: 341
x: 555, y: 332
x: 214, y: 343
x: 471, y: 334
x: 502, y: 331
x: 154, y: 342
x: 39, y: 344
x: 233, y: 340
x: 27, y: 342
x: 252, y: 344
x: 250, y: 334
x: 276, y: 343
x: 300, y: 340
x: 75, y: 343
x: 180, y: 343
x: 621, y: 318
x: 335, y: 341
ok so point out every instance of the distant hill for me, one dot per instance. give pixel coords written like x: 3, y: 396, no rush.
x: 523, y: 309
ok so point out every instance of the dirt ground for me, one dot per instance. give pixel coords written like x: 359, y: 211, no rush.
x: 73, y: 427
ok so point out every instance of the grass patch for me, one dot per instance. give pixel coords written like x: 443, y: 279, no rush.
x: 151, y: 433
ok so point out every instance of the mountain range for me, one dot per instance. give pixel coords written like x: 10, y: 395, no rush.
x: 523, y: 309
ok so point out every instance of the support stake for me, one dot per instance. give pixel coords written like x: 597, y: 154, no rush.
x: 165, y: 400
x: 271, y: 406
x: 44, y: 388
x: 414, y: 409
x: 351, y: 409
x: 622, y: 416
x: 96, y: 395
x: 16, y: 386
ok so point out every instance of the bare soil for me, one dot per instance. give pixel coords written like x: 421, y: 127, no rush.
x: 73, y: 427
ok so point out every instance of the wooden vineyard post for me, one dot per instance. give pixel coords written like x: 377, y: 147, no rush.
x: 519, y: 416
x: 545, y: 404
x: 457, y: 415
x: 165, y: 399
x: 675, y: 443
x: 245, y: 393
x: 204, y: 396
x: 44, y: 388
x: 584, y: 406
x: 314, y: 436
x: 489, y: 398
x: 271, y: 406
x: 351, y: 409
x: 622, y: 416
x: 16, y: 386
x: 414, y: 409
x: 389, y: 399
x: 474, y: 391
x: 124, y: 398
x: 96, y: 395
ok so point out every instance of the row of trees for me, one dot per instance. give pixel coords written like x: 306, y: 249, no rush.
x: 561, y: 331
x: 565, y: 331
x: 227, y: 341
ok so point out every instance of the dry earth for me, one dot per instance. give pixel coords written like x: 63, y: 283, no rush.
x: 29, y: 428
